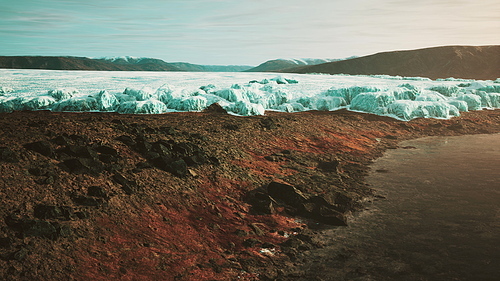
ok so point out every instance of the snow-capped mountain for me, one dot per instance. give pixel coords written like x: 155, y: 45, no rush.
x: 282, y: 64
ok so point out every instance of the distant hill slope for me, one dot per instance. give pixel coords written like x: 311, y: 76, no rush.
x: 468, y: 62
x: 282, y: 64
x: 181, y: 66
x: 109, y: 64
x: 211, y: 68
x: 78, y: 63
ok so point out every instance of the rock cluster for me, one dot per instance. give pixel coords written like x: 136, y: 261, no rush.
x: 326, y: 208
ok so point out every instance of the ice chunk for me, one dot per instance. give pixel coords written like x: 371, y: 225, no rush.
x: 7, y: 104
x: 78, y: 104
x: 495, y: 99
x: 291, y: 107
x: 329, y: 103
x: 406, y: 92
x: 403, y: 109
x: 246, y: 108
x: 485, y: 98
x: 107, y: 101
x: 349, y: 93
x: 63, y: 94
x: 283, y: 80
x: 449, y: 91
x: 209, y: 89
x: 407, y: 110
x: 473, y: 101
x: 143, y: 94
x: 459, y: 104
x: 124, y: 98
x: 372, y: 102
x: 167, y: 92
x: 37, y: 103
x: 5, y: 90
x: 151, y: 106
x: 274, y: 97
x: 194, y: 103
x: 490, y: 89
x: 233, y: 94
x: 436, y: 110
x: 430, y: 96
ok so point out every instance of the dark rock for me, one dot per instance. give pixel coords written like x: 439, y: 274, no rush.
x: 268, y: 124
x: 267, y: 245
x: 45, y: 212
x: 304, y: 237
x: 198, y: 158
x: 258, y: 231
x: 87, y: 201
x: 241, y: 232
x: 262, y: 203
x: 251, y: 242
x: 330, y: 216
x: 232, y: 127
x: 61, y: 140
x: 108, y: 158
x: 6, y: 242
x: 178, y: 168
x: 79, y: 151
x: 143, y: 146
x: 32, y: 227
x: 107, y: 150
x: 292, y: 243
x: 19, y: 255
x: 63, y: 230
x: 274, y: 158
x: 150, y: 155
x: 143, y: 165
x: 286, y: 193
x: 82, y: 215
x: 82, y: 140
x: 214, y: 160
x: 38, y: 171
x: 175, y: 166
x: 167, y: 130
x: 97, y: 191
x: 185, y: 149
x: 129, y: 187
x: 7, y: 155
x: 330, y: 166
x: 83, y: 166
x: 42, y: 147
x: 162, y: 149
x: 215, y: 108
x: 127, y: 140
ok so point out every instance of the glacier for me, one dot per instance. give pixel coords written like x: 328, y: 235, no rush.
x: 244, y: 94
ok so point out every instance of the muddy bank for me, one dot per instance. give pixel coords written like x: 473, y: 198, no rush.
x: 186, y: 196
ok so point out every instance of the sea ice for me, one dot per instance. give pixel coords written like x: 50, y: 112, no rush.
x: 146, y: 93
x: 151, y: 106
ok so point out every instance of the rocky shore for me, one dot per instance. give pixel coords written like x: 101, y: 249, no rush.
x: 187, y: 196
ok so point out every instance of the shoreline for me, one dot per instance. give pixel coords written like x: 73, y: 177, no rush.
x: 135, y: 210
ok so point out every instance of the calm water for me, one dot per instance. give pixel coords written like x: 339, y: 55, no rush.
x: 440, y: 219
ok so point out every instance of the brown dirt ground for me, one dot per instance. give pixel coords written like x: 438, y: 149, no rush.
x: 193, y: 227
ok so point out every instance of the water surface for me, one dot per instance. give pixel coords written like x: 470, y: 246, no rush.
x: 440, y: 219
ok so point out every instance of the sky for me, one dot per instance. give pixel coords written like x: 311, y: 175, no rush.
x: 241, y: 32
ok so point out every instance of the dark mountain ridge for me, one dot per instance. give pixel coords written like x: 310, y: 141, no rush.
x: 468, y: 62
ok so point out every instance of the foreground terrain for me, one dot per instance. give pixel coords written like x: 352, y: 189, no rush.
x: 186, y: 196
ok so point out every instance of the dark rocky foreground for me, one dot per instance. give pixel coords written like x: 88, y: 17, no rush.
x: 186, y: 196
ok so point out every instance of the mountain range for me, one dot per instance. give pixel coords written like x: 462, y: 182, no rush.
x: 468, y: 62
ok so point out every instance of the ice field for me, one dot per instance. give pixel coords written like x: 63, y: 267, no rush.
x: 240, y: 93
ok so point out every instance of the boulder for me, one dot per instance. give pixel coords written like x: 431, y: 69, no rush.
x: 286, y: 193
x: 42, y: 147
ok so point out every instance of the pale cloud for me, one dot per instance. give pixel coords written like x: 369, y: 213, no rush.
x: 241, y: 31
